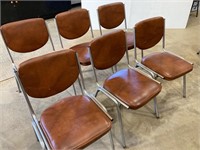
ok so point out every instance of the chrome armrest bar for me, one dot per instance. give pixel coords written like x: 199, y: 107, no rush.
x: 98, y: 104
x: 115, y: 99
x: 143, y: 74
x: 147, y: 69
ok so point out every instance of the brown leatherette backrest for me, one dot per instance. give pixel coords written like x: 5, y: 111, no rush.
x: 49, y: 74
x: 108, y: 49
x: 73, y: 24
x: 149, y: 32
x: 25, y: 35
x: 111, y: 15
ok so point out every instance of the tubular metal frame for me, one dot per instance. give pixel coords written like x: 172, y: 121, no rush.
x: 11, y: 58
x: 154, y: 74
x: 117, y: 101
x: 61, y: 41
x: 35, y: 122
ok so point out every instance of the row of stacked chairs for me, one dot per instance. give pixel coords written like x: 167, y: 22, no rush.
x: 75, y: 122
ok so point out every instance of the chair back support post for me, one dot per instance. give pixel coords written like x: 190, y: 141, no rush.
x: 127, y: 55
x: 100, y: 29
x: 163, y: 41
x: 24, y: 93
x: 125, y: 22
x: 80, y: 81
x: 31, y: 109
x: 50, y: 38
x: 94, y: 69
x: 60, y: 39
x: 135, y: 47
x: 91, y: 29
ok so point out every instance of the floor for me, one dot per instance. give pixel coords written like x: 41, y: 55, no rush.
x: 178, y: 127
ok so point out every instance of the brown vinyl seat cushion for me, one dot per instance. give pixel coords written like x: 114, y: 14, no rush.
x: 83, y: 54
x: 130, y: 40
x: 69, y: 124
x: 167, y: 65
x: 132, y: 88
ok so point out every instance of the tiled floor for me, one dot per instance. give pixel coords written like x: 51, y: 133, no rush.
x: 177, y: 129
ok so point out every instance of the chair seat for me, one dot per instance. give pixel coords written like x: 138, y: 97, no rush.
x: 167, y: 65
x: 83, y: 54
x: 69, y: 124
x: 130, y: 40
x: 132, y: 88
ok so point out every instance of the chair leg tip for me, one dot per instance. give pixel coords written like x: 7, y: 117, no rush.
x: 157, y: 116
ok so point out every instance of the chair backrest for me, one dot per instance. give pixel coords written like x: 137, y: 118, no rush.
x: 149, y: 32
x: 25, y: 35
x: 111, y: 15
x: 39, y: 80
x: 107, y: 50
x: 73, y: 23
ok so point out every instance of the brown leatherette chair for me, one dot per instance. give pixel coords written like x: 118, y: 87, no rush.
x: 111, y: 16
x: 74, y: 24
x: 162, y: 64
x: 127, y: 87
x: 72, y: 122
x: 25, y: 36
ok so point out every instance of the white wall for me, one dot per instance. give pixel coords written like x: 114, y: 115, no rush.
x: 176, y: 12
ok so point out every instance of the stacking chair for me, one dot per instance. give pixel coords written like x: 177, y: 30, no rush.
x: 162, y: 64
x: 74, y: 24
x: 25, y: 36
x: 72, y: 122
x: 127, y: 87
x: 111, y: 16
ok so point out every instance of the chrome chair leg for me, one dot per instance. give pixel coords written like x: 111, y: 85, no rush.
x: 19, y: 90
x: 96, y: 93
x: 74, y: 89
x: 121, y: 126
x: 111, y: 140
x: 184, y: 86
x: 35, y: 134
x: 113, y: 71
x: 156, y: 108
x: 38, y: 136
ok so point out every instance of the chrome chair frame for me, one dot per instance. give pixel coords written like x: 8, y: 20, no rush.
x: 115, y: 99
x: 61, y: 38
x: 35, y: 122
x: 154, y: 74
x: 11, y: 58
